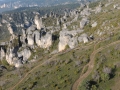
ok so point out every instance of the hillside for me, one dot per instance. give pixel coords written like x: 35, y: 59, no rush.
x: 75, y: 48
x: 6, y: 5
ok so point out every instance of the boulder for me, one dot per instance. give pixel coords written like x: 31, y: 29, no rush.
x: 30, y: 40
x: 94, y: 24
x: 83, y: 22
x: 85, y: 12
x: 83, y: 38
x: 58, y: 22
x: 67, y: 38
x: 38, y: 22
x: 10, y: 29
x: 45, y: 41
x: 30, y: 30
x: 64, y: 26
x: 98, y: 9
x: 36, y: 35
x: 2, y: 53
x: 10, y: 55
x: 17, y: 62
x: 12, y: 59
x: 25, y: 53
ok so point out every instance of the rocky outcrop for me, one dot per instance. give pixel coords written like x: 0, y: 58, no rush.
x: 12, y: 59
x: 83, y: 38
x: 85, y: 12
x: 64, y: 26
x: 45, y: 41
x: 42, y: 38
x: 25, y: 54
x: 94, y: 24
x: 98, y: 9
x: 10, y: 29
x: 39, y: 36
x: 68, y: 38
x: 2, y: 53
x: 38, y: 22
x: 83, y: 22
x: 30, y: 40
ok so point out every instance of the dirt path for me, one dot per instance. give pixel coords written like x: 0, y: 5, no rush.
x: 90, y: 65
x: 50, y: 59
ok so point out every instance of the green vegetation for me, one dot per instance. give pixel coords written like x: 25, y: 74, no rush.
x: 61, y: 72
x: 106, y: 70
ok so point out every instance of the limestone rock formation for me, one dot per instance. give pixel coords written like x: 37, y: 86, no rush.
x: 36, y: 35
x: 25, y: 53
x: 83, y: 38
x: 30, y: 40
x: 85, y: 12
x: 83, y: 22
x: 38, y: 22
x: 45, y: 40
x: 11, y: 56
x: 94, y: 24
x: 10, y: 29
x: 98, y: 9
x: 2, y: 53
x: 64, y: 26
x: 30, y: 29
x: 68, y: 38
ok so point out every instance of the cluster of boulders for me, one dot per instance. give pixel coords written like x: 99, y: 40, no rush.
x: 38, y: 35
x: 116, y: 6
x: 71, y: 39
x: 35, y: 35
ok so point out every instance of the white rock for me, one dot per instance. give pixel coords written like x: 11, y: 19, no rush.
x: 38, y: 22
x: 83, y: 22
x: 83, y: 38
x: 26, y: 53
x: 45, y: 41
x: 9, y: 56
x: 64, y: 26
x: 30, y: 29
x: 98, y: 9
x: 2, y: 54
x: 94, y: 24
x: 36, y: 34
x: 30, y: 40
x: 10, y: 29
x: 85, y: 12
x: 68, y: 38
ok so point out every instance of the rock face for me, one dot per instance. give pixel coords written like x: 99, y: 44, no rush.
x: 10, y: 29
x: 83, y: 38
x: 85, y: 12
x: 36, y: 35
x: 2, y: 53
x: 98, y: 9
x: 94, y: 24
x: 17, y: 55
x: 83, y: 22
x: 68, y: 38
x: 12, y: 59
x: 64, y: 26
x: 38, y: 22
x: 25, y: 53
x: 45, y: 40
x: 42, y: 38
x: 30, y: 40
x: 17, y: 58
